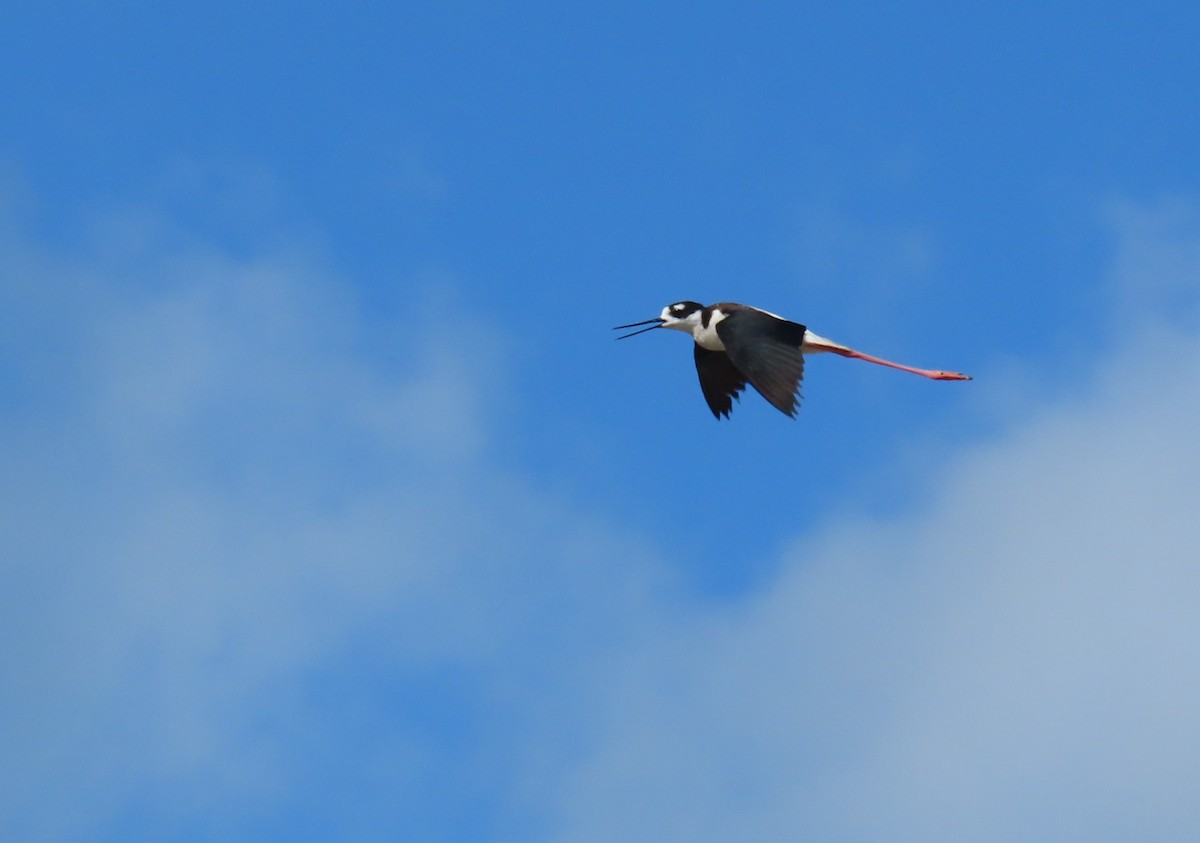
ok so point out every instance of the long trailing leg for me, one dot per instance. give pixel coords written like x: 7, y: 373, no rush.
x: 812, y: 343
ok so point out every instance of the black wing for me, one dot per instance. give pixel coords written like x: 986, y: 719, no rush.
x: 720, y: 381
x: 766, y: 351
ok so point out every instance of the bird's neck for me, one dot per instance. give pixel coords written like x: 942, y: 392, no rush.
x: 704, y: 332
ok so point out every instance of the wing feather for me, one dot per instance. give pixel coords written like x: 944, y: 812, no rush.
x: 766, y: 351
x: 720, y: 381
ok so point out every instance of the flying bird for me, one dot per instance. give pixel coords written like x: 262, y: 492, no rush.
x: 737, y: 344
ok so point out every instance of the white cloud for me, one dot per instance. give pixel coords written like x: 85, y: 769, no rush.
x: 1016, y: 660
x: 260, y: 566
x: 217, y: 492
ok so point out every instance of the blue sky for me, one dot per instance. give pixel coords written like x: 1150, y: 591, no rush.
x: 331, y: 510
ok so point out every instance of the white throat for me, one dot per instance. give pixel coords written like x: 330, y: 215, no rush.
x: 705, y: 336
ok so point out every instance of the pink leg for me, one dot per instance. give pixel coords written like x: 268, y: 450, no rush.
x: 858, y: 355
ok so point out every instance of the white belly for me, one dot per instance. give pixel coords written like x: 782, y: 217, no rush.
x: 814, y: 344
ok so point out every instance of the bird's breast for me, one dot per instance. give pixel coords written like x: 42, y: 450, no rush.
x: 707, y: 338
x: 705, y: 334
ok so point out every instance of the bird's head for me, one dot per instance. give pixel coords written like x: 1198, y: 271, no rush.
x: 680, y: 316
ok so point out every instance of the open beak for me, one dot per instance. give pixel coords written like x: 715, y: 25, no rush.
x: 653, y: 323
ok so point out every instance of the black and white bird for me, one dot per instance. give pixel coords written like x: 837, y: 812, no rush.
x: 737, y: 344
